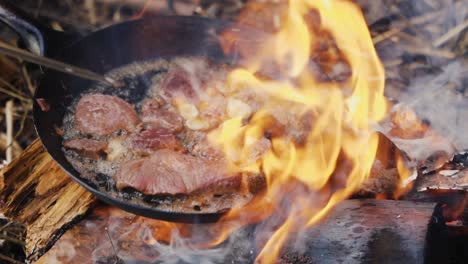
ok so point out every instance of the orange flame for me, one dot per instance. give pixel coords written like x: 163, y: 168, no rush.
x: 341, y: 117
x: 405, y: 183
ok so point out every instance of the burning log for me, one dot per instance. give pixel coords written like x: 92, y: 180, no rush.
x: 452, y: 176
x: 127, y: 238
x: 356, y: 231
x: 366, y: 231
x: 36, y: 192
x: 444, y: 180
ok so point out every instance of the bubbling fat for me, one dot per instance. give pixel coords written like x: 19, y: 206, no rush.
x: 142, y: 81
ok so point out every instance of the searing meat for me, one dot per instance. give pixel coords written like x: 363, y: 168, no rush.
x: 171, y: 172
x: 198, y: 145
x: 149, y: 140
x: 255, y: 99
x: 214, y: 111
x: 255, y: 182
x: 157, y: 116
x: 255, y: 149
x: 179, y: 84
x: 157, y: 141
x: 87, y: 147
x: 99, y: 114
x: 292, y: 120
x: 149, y: 178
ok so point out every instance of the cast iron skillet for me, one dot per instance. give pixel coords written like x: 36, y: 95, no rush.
x: 100, y: 52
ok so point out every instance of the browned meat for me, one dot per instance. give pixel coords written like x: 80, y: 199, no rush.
x: 300, y: 127
x: 149, y: 178
x: 255, y: 182
x: 293, y: 123
x: 254, y: 99
x: 178, y: 84
x: 100, y: 114
x: 214, y: 110
x: 256, y: 149
x: 151, y: 105
x: 198, y: 145
x: 170, y: 172
x: 149, y: 140
x: 160, y: 117
x: 87, y: 147
x: 272, y: 127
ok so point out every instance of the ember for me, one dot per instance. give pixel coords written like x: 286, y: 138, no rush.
x: 43, y: 104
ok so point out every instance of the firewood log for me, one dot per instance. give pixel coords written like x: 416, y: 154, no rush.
x: 37, y: 192
x: 356, y: 231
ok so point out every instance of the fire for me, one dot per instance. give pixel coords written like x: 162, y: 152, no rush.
x: 338, y: 151
x: 306, y: 174
x: 405, y: 183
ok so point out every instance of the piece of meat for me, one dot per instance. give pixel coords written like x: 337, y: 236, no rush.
x: 160, y: 117
x: 86, y: 147
x: 198, y: 145
x: 213, y: 111
x: 260, y: 19
x: 292, y: 120
x: 117, y: 149
x: 148, y: 177
x: 151, y: 105
x: 99, y: 114
x: 255, y: 149
x: 271, y: 126
x: 151, y: 139
x: 179, y: 84
x: 300, y: 127
x: 170, y: 172
x: 256, y: 182
x: 254, y: 98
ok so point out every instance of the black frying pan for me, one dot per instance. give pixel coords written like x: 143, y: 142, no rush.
x: 101, y: 51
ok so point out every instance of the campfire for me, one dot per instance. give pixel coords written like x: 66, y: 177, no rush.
x: 348, y: 170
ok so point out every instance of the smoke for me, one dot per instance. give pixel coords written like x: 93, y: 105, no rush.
x: 179, y: 251
x: 140, y: 243
x: 436, y: 99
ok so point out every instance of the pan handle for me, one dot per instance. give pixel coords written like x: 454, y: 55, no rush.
x: 35, y: 36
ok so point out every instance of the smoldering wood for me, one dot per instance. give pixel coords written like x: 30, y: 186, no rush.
x: 356, y: 231
x: 36, y: 192
x: 443, y: 180
x: 127, y: 238
x: 382, y: 182
x: 452, y: 176
x: 384, y: 177
x: 366, y: 231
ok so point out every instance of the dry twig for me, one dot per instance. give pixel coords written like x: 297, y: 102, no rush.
x: 451, y: 34
x: 9, y: 125
x: 23, y: 122
x: 27, y: 80
x: 9, y: 260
